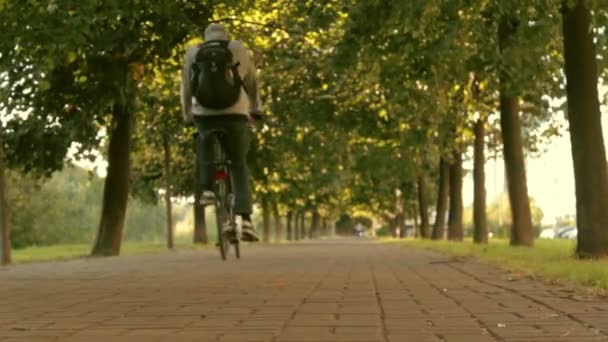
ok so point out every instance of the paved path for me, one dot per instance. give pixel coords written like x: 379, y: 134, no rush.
x: 340, y: 290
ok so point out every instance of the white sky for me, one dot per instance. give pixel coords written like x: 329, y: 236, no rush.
x: 550, y: 177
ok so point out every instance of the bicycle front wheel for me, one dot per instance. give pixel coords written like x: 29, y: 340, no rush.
x: 237, y: 249
x: 221, y: 217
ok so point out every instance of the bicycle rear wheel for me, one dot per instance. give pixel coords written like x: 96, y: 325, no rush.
x: 221, y: 216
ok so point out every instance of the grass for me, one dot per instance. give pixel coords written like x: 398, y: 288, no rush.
x: 550, y: 259
x: 74, y: 251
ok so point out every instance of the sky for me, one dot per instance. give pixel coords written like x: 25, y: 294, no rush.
x: 550, y: 177
x: 550, y: 180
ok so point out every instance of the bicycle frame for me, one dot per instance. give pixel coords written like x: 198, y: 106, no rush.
x: 225, y: 198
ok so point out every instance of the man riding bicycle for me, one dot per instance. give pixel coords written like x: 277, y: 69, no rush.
x: 219, y: 91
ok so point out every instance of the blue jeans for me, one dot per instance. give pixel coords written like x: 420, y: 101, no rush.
x: 236, y: 145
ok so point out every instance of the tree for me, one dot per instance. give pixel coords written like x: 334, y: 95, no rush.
x: 425, y: 230
x: 499, y: 216
x: 442, y: 199
x: 278, y: 223
x: 455, y: 228
x: 480, y: 234
x: 290, y: 226
x: 588, y: 151
x: 168, y: 192
x: 521, y: 232
x: 266, y: 208
x: 5, y: 213
x: 94, y: 69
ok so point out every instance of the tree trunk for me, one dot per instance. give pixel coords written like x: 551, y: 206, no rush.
x: 588, y: 150
x: 442, y: 199
x: 266, y: 217
x: 168, y: 207
x: 425, y: 228
x: 416, y: 223
x: 480, y: 222
x: 521, y: 229
x: 200, y: 223
x: 296, y: 226
x: 455, y: 229
x: 315, y: 224
x: 278, y: 224
x: 303, y: 232
x: 401, y: 224
x: 290, y: 230
x: 116, y: 187
x: 5, y: 212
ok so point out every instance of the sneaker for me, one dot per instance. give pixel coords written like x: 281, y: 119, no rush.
x: 207, y: 198
x: 249, y: 232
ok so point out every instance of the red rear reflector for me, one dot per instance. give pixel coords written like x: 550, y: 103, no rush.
x: 221, y: 175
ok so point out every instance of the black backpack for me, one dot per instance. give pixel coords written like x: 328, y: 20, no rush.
x: 215, y: 80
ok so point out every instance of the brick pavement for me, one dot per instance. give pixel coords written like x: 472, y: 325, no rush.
x: 336, y: 290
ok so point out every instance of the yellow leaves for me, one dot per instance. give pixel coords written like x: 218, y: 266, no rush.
x: 313, y: 39
x: 279, y: 35
x: 483, y: 85
x: 383, y: 114
x: 194, y: 41
x: 299, y: 136
x: 159, y: 76
x: 277, y: 187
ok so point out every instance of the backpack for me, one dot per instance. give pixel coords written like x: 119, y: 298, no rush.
x: 215, y: 80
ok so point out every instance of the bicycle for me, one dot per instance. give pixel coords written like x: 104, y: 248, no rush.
x: 229, y: 228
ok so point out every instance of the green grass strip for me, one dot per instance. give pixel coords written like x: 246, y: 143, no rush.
x: 550, y: 259
x: 74, y: 251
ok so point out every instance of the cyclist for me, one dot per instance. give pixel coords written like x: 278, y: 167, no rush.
x: 210, y: 106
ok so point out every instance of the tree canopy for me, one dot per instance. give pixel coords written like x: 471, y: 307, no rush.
x: 364, y: 97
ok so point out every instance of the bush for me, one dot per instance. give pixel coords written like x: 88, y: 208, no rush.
x: 64, y: 209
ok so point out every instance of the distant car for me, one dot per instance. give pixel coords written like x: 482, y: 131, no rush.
x: 570, y: 234
x: 567, y: 233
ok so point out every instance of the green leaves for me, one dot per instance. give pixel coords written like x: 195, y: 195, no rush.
x: 84, y: 56
x: 362, y: 95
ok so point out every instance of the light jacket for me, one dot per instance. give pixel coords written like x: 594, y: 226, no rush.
x: 249, y: 100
